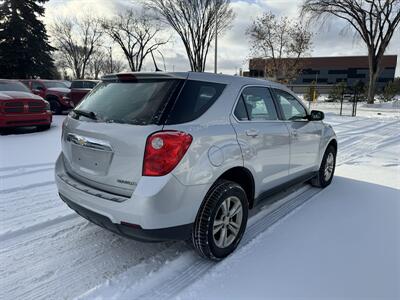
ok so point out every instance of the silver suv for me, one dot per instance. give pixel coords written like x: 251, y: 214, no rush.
x: 184, y: 156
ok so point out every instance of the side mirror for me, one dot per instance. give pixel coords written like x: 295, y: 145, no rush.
x: 316, y: 115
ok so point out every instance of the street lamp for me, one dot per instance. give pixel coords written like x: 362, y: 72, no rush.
x: 216, y: 37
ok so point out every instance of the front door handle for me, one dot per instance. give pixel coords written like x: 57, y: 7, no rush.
x: 294, y: 133
x: 252, y: 132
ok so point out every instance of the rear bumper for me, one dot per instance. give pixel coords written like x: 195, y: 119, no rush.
x: 182, y: 232
x: 18, y: 120
x: 160, y: 207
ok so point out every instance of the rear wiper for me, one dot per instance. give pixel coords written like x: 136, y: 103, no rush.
x: 87, y: 114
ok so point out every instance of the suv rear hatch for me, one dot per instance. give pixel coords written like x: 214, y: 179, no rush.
x: 104, y: 138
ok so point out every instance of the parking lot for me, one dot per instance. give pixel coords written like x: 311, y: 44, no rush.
x: 48, y: 251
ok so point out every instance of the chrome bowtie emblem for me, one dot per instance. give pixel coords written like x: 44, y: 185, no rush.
x: 81, y: 141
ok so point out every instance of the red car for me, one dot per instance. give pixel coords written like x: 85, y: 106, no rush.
x: 19, y: 107
x: 79, y: 89
x: 55, y: 92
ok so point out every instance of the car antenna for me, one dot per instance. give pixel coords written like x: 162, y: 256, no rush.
x: 154, y: 61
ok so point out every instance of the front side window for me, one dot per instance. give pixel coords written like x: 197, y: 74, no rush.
x: 256, y: 104
x: 291, y: 107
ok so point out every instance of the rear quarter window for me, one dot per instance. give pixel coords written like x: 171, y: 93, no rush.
x: 194, y: 100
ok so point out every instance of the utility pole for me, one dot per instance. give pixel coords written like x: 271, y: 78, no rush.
x: 111, y: 61
x: 216, y: 37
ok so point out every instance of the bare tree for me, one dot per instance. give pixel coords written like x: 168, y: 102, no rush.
x: 76, y: 41
x: 374, y: 21
x: 282, y: 41
x: 101, y: 63
x: 136, y: 34
x: 194, y: 21
x: 114, y: 66
x: 97, y: 63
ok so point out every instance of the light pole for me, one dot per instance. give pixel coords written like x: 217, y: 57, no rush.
x: 216, y: 37
x: 111, y: 61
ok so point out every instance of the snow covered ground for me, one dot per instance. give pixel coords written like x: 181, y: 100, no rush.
x: 341, y: 242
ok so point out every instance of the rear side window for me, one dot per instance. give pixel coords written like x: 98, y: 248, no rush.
x: 83, y: 84
x: 77, y: 84
x: 194, y: 100
x: 256, y: 104
x: 141, y: 102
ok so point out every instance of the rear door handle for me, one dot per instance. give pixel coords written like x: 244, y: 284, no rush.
x: 294, y: 133
x: 252, y: 132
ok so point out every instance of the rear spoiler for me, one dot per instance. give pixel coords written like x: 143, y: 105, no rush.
x: 134, y: 76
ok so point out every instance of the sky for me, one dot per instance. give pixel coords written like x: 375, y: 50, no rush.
x: 233, y: 46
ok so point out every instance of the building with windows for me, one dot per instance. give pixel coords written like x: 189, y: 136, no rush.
x: 328, y: 71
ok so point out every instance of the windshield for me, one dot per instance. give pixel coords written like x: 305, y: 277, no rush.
x: 13, y: 86
x: 54, y: 84
x: 141, y: 102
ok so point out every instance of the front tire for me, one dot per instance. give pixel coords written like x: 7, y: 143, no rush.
x: 327, y: 169
x: 55, y: 107
x: 221, y: 220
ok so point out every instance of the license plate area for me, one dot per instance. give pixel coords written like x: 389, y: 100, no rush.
x: 90, y: 156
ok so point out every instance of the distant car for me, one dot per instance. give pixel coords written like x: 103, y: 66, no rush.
x: 79, y: 89
x: 55, y: 92
x: 19, y: 107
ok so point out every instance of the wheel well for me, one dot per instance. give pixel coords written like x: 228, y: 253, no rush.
x: 334, y: 144
x: 244, y: 178
x: 52, y: 98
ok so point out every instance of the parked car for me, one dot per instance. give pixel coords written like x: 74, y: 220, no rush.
x: 184, y: 156
x: 79, y: 89
x: 54, y: 91
x: 19, y: 107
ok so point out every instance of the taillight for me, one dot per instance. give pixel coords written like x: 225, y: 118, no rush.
x: 164, y: 150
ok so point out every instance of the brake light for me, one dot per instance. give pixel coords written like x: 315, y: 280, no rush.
x: 164, y: 150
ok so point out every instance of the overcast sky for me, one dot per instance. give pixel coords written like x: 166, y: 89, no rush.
x: 233, y: 45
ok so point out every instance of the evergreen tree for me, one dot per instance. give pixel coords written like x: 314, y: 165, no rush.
x: 337, y: 92
x: 24, y: 47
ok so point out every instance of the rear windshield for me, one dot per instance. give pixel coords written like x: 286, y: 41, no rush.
x: 194, y: 100
x: 13, y: 86
x: 140, y: 103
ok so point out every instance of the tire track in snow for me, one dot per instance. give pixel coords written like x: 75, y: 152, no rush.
x: 190, y: 274
x: 26, y: 187
x: 15, y: 174
x: 26, y: 166
x: 39, y: 226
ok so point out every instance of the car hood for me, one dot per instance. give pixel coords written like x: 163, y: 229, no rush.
x: 10, y: 95
x: 59, y: 90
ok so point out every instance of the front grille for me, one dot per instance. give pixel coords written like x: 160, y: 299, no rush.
x: 14, y: 109
x: 36, y: 107
x: 14, y: 104
x: 26, y: 122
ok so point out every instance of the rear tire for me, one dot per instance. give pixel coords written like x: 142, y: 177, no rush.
x: 43, y: 127
x: 221, y: 220
x: 326, y: 170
